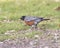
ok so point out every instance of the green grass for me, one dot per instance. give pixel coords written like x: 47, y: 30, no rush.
x: 13, y: 10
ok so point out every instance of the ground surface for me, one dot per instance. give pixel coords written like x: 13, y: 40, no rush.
x: 14, y: 33
x: 40, y: 39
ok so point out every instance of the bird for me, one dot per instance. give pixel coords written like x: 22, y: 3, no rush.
x: 32, y: 20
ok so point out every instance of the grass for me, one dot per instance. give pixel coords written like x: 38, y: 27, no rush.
x: 13, y: 10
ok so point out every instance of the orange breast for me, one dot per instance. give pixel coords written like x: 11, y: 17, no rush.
x: 29, y: 22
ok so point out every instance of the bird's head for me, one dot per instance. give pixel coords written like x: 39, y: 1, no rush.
x: 23, y: 17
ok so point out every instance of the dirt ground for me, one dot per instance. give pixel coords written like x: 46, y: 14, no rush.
x: 49, y: 39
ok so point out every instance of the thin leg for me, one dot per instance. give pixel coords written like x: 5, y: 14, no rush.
x: 34, y: 27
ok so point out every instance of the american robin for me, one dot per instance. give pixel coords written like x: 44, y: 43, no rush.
x: 32, y: 21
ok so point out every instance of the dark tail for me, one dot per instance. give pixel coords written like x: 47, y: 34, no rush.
x: 46, y: 19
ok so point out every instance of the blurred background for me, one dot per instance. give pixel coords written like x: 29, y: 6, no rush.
x: 12, y: 10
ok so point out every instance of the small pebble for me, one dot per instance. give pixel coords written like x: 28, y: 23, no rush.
x: 37, y: 36
x: 46, y: 47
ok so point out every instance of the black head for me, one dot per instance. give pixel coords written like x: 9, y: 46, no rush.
x: 23, y: 17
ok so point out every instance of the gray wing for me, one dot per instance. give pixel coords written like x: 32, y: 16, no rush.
x: 29, y: 18
x: 37, y: 20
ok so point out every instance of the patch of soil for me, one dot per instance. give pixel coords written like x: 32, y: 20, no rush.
x: 49, y: 39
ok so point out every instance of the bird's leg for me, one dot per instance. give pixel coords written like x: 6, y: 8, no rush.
x: 34, y: 27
